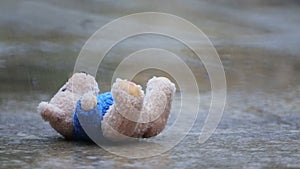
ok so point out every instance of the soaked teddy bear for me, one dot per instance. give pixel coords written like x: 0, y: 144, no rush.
x: 123, y: 113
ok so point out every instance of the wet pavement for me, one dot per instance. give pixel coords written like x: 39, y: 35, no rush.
x: 257, y: 42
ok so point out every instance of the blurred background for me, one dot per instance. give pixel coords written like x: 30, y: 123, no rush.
x: 258, y: 43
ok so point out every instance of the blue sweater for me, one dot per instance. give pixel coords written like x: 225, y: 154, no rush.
x: 91, y: 119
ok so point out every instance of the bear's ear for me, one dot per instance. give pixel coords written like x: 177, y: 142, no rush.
x: 49, y: 112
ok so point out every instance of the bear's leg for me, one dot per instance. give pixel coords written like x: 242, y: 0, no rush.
x: 157, y: 105
x: 120, y: 121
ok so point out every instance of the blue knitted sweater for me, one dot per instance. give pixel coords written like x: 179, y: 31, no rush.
x: 92, y: 118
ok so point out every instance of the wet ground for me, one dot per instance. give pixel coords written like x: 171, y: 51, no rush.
x: 258, y: 43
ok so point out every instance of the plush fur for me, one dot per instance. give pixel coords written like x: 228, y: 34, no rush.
x: 127, y: 111
x: 59, y: 111
x: 119, y: 122
x: 135, y: 115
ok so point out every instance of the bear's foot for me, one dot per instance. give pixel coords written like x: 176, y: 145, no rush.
x: 157, y: 105
x: 120, y: 121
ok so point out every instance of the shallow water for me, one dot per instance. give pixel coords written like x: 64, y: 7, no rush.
x: 257, y: 42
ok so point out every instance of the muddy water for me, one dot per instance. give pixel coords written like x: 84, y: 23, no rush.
x: 257, y: 42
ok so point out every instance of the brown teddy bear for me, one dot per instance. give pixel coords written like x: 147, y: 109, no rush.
x: 118, y: 115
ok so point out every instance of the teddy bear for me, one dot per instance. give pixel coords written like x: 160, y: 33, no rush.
x: 123, y: 113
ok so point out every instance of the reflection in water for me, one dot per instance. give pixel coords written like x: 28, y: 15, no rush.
x: 258, y: 42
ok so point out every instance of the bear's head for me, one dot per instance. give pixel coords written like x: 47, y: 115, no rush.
x: 59, y: 111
